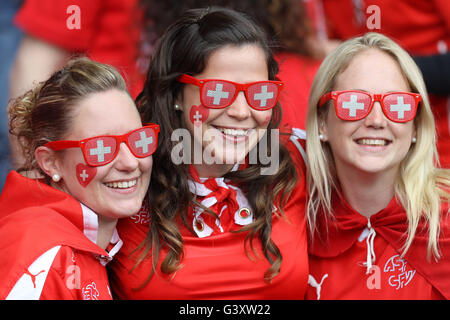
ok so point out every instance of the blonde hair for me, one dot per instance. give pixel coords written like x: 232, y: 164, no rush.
x: 419, y: 181
x: 44, y: 113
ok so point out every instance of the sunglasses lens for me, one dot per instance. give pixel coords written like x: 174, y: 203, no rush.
x: 100, y: 150
x: 352, y: 105
x: 400, y: 107
x: 142, y: 142
x: 263, y: 95
x: 217, y: 94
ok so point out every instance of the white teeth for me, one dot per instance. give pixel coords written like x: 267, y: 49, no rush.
x: 233, y: 132
x: 121, y: 184
x: 372, y: 142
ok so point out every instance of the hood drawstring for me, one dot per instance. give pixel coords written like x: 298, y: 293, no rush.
x: 370, y: 252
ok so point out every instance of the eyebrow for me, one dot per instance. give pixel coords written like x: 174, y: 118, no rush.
x: 386, y: 91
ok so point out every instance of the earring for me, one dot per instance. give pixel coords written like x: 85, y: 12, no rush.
x: 177, y: 106
x: 321, y: 137
x: 56, y: 177
x: 413, y: 140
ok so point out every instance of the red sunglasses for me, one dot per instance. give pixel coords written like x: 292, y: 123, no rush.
x: 351, y: 105
x: 101, y: 150
x: 218, y: 94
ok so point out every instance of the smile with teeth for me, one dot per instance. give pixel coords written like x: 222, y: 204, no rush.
x: 121, y: 184
x: 234, y: 132
x: 372, y: 142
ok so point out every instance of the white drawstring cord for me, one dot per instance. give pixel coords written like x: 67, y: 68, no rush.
x: 370, y: 251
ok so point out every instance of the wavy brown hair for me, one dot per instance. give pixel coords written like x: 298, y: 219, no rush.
x: 185, y: 48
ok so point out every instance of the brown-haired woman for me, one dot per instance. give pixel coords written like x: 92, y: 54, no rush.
x: 58, y: 232
x: 224, y: 222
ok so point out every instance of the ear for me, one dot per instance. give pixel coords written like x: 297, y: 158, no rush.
x: 178, y: 105
x: 323, y: 130
x: 47, y: 160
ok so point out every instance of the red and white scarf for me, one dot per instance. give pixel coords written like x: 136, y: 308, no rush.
x: 227, y: 201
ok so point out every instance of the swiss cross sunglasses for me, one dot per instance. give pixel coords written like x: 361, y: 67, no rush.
x: 218, y: 94
x: 101, y: 150
x: 353, y: 105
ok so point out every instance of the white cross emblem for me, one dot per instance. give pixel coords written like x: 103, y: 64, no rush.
x: 218, y: 94
x: 197, y: 116
x: 353, y: 105
x: 84, y: 175
x: 400, y: 107
x: 263, y: 96
x: 144, y: 142
x: 100, y: 151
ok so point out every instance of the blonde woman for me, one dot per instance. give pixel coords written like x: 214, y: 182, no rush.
x: 378, y: 199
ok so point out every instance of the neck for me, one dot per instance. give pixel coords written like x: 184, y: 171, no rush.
x: 367, y: 193
x: 212, y: 170
x: 105, y: 232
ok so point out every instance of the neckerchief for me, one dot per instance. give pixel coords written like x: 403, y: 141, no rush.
x: 336, y: 235
x: 227, y: 201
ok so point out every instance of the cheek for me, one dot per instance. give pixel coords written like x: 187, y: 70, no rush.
x: 85, y: 174
x: 198, y: 114
x: 146, y: 165
x: 262, y: 118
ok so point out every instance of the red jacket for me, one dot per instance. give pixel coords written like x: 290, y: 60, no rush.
x: 48, y: 245
x: 352, y: 257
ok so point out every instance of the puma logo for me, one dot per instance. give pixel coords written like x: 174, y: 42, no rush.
x: 33, y: 276
x: 313, y: 283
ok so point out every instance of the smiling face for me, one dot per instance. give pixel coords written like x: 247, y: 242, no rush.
x: 373, y: 144
x: 116, y: 189
x: 227, y: 135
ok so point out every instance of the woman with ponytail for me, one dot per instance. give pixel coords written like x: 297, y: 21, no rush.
x: 90, y: 160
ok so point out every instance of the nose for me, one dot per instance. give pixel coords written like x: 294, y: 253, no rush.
x: 125, y: 160
x: 239, y: 109
x: 376, y: 117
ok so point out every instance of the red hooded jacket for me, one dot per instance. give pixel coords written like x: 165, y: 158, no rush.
x: 47, y: 246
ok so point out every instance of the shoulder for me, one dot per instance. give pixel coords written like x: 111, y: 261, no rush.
x: 62, y: 272
x: 32, y: 278
x: 294, y: 140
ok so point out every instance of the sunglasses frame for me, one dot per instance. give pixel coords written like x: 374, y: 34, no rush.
x: 333, y: 95
x: 67, y: 144
x: 185, y: 78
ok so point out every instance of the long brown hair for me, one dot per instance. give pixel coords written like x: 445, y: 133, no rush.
x: 185, y: 48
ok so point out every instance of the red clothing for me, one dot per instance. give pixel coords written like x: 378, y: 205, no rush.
x: 340, y: 266
x: 48, y: 245
x: 215, y: 265
x: 108, y: 33
x: 420, y: 27
x: 297, y: 73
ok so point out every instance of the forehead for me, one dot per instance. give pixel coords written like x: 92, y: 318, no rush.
x: 243, y: 63
x: 109, y: 112
x: 372, y: 70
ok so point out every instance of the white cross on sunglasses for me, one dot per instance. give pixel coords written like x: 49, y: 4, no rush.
x: 218, y: 94
x: 100, y: 151
x: 144, y: 142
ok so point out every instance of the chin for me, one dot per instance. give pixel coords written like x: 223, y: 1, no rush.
x: 127, y: 210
